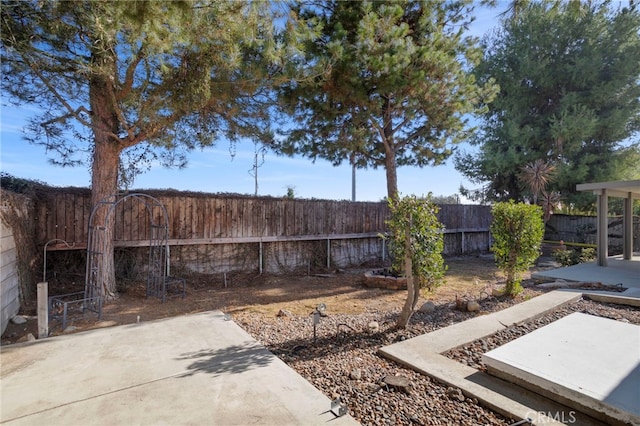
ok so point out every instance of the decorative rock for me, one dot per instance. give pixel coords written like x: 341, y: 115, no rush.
x: 284, y: 313
x: 400, y: 383
x: 498, y: 291
x: 28, y: 338
x: 427, y: 307
x: 355, y: 374
x: 373, y: 387
x: 473, y: 306
x: 455, y: 394
x: 373, y: 326
x: 18, y: 319
x: 70, y: 329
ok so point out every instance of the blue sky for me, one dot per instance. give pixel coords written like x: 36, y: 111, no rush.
x: 214, y: 170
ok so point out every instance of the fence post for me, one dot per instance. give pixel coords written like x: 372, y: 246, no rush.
x: 43, y: 310
x: 328, y: 253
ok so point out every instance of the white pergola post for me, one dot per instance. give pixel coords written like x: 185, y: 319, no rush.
x: 627, y: 225
x: 603, y: 227
x: 627, y: 190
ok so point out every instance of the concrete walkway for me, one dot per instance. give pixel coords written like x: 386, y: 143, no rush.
x: 423, y: 354
x: 194, y: 369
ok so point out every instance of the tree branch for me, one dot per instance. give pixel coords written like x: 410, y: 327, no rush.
x: 71, y: 112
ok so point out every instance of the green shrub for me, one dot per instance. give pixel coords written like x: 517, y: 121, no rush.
x: 573, y: 257
x: 517, y: 230
x: 427, y: 242
x: 587, y: 254
x: 416, y: 242
x: 564, y: 257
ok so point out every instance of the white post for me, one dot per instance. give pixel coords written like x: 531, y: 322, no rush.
x: 603, y: 227
x: 43, y: 310
x: 627, y: 225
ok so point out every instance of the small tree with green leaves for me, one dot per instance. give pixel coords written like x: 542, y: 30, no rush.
x: 416, y: 244
x: 517, y: 230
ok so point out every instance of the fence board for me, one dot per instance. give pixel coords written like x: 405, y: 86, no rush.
x: 204, y: 217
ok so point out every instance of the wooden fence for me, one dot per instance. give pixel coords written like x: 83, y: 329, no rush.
x: 209, y: 233
x: 583, y: 229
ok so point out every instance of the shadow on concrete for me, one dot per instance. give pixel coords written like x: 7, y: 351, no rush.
x: 625, y: 395
x: 232, y: 359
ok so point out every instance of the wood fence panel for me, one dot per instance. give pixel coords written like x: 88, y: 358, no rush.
x: 202, y: 217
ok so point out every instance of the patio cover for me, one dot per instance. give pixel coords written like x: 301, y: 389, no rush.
x: 629, y: 190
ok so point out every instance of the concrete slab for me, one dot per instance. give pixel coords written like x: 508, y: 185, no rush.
x: 422, y: 354
x: 618, y: 271
x: 194, y: 369
x: 587, y: 362
x: 481, y: 326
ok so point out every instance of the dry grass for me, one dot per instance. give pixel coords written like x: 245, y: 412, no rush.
x: 468, y: 277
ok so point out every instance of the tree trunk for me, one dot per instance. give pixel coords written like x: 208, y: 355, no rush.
x: 104, y: 175
x: 412, y: 291
x: 392, y: 175
x: 390, y: 163
x: 104, y: 185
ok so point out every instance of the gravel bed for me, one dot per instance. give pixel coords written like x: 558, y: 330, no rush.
x: 342, y: 359
x: 471, y: 353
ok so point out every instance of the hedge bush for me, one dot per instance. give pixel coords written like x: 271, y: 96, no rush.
x: 517, y: 230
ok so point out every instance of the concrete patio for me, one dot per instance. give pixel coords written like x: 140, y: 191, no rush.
x: 194, y: 369
x: 618, y: 272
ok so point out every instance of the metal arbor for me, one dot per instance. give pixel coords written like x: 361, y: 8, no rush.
x: 100, y: 233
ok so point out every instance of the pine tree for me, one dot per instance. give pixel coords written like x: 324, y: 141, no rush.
x: 398, y: 89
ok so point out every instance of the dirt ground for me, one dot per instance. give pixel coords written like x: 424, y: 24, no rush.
x: 340, y: 291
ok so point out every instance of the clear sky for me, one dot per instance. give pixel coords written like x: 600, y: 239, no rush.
x: 214, y: 170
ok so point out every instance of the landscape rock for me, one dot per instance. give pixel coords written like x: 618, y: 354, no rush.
x: 18, y: 319
x: 455, y: 394
x: 373, y: 387
x: 427, y: 307
x: 373, y: 326
x: 473, y: 306
x: 28, y: 338
x: 498, y: 291
x: 399, y: 383
x: 284, y: 313
x: 355, y: 374
x: 70, y: 329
